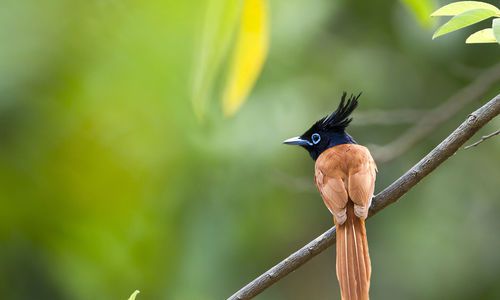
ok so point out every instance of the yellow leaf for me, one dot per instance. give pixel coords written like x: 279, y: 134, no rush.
x: 220, y: 22
x: 249, y: 55
x: 134, y: 294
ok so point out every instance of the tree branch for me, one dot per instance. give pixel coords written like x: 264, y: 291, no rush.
x: 438, y: 116
x: 483, y: 138
x: 389, y: 195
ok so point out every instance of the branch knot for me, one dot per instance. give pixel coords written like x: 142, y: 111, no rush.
x: 471, y: 119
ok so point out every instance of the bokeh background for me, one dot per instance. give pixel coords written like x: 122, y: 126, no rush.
x: 110, y: 183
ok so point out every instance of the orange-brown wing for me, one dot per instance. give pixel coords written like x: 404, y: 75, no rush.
x: 334, y: 194
x: 362, y: 183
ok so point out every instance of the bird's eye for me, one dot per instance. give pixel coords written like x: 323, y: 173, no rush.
x: 315, y: 138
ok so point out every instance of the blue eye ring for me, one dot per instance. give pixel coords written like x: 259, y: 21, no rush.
x: 316, y: 138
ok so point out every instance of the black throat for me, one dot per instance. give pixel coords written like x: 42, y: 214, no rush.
x: 333, y: 139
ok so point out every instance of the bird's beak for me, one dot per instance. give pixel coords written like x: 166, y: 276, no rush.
x: 297, y: 141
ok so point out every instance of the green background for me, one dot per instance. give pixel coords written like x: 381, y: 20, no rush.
x: 109, y: 183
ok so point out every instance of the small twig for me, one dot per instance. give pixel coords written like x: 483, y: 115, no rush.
x: 389, y: 195
x: 483, y: 138
x: 437, y: 116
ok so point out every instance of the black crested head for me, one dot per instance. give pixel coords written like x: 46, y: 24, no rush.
x: 330, y: 130
x: 341, y: 117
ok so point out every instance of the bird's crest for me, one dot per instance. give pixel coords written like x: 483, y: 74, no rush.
x: 340, y: 118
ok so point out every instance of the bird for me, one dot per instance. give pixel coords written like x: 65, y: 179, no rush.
x: 344, y: 174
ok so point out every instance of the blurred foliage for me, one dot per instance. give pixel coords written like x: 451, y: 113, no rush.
x: 421, y: 10
x: 249, y: 20
x: 466, y: 13
x: 108, y: 183
x: 220, y: 21
x: 249, y: 55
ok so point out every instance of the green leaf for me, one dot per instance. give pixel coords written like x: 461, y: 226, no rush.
x: 134, y: 294
x: 421, y: 10
x: 463, y: 20
x: 496, y: 29
x: 482, y: 36
x: 460, y: 7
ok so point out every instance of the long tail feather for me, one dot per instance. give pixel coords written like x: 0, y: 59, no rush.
x: 353, y: 259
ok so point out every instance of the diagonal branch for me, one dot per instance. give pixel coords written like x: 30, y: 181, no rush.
x: 389, y: 195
